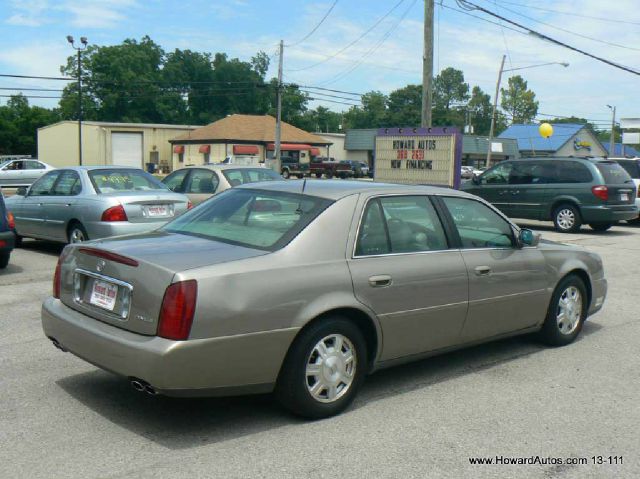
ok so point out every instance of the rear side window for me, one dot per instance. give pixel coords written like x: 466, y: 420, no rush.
x: 572, y: 172
x: 203, y: 182
x: 531, y: 172
x: 613, y: 173
x: 400, y: 224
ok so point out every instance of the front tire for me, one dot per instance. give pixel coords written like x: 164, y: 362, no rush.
x: 285, y: 174
x: 324, y: 369
x: 566, y: 218
x: 567, y: 312
x: 77, y: 233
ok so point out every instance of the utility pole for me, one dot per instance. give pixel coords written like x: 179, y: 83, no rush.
x: 494, y: 112
x: 79, y: 49
x: 612, y: 141
x: 278, y: 162
x: 427, y: 64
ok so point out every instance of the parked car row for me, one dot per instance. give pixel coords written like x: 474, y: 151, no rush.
x: 568, y: 191
x: 22, y: 172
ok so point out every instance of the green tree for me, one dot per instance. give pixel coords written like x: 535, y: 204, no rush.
x: 405, y: 106
x: 372, y: 113
x: 480, y: 110
x: 449, y: 92
x: 322, y: 119
x: 19, y: 125
x: 518, y: 102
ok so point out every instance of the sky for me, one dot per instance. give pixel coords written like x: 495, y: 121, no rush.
x: 387, y: 56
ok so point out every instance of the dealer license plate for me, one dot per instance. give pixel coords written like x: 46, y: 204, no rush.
x: 157, y: 210
x: 624, y: 197
x: 104, y: 295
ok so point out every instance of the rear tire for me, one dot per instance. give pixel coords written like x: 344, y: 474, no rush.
x: 566, y: 218
x: 4, y: 260
x: 285, y: 174
x: 77, y: 233
x: 329, y: 174
x: 300, y: 176
x: 600, y: 226
x: 567, y: 312
x: 324, y: 369
x: 318, y: 175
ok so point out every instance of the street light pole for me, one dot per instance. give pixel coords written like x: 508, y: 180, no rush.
x: 612, y: 140
x: 495, y: 98
x: 79, y: 49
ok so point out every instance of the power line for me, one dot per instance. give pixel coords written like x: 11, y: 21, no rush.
x: 542, y: 36
x: 570, y: 32
x: 342, y: 75
x: 349, y: 44
x: 329, y: 89
x: 4, y: 75
x: 328, y: 95
x: 316, y: 27
x: 31, y: 89
x: 333, y: 101
x: 571, y: 14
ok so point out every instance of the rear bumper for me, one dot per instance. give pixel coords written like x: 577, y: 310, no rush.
x: 7, y: 241
x: 199, y: 367
x: 608, y: 214
x: 598, y: 295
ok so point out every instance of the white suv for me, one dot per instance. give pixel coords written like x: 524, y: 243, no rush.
x: 632, y: 165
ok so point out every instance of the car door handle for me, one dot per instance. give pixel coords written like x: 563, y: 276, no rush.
x: 380, y: 281
x: 482, y: 270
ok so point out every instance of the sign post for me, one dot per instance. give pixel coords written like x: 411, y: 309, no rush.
x: 419, y: 156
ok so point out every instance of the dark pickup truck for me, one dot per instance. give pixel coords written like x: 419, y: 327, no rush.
x: 317, y: 168
x: 7, y: 236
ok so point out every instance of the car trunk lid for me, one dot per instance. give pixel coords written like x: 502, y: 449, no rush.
x: 123, y: 282
x: 147, y: 207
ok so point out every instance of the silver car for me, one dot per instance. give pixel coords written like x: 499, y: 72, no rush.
x: 270, y: 288
x: 22, y: 172
x: 76, y: 204
x: 202, y: 182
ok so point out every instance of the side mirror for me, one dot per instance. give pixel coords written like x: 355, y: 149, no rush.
x: 22, y: 191
x: 529, y: 238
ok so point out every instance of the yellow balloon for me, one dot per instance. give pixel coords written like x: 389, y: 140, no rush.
x: 546, y: 130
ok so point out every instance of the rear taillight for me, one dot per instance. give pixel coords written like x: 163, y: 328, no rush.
x: 11, y: 220
x: 189, y: 205
x: 57, y: 279
x: 601, y: 192
x: 178, y: 308
x: 115, y: 213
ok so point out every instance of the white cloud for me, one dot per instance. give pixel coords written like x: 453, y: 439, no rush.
x: 28, y: 13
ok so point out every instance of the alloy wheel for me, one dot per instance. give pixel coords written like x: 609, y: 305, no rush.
x: 77, y: 236
x: 331, y: 368
x: 569, y: 311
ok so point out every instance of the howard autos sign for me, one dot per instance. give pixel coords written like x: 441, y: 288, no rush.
x: 419, y: 156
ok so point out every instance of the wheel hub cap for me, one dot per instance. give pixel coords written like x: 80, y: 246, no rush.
x: 331, y: 368
x: 566, y: 219
x: 569, y: 311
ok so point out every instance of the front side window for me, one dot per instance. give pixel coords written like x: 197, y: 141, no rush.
x: 44, y: 185
x: 202, y: 182
x: 529, y: 172
x: 498, y: 175
x: 400, y: 224
x: 478, y: 225
x: 68, y: 184
x: 116, y: 180
x: 259, y: 219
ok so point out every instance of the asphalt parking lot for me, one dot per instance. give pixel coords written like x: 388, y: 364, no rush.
x: 61, y: 417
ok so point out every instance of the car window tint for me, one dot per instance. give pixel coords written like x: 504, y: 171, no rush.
x: 530, y: 173
x: 372, y: 236
x: 106, y: 180
x: 632, y: 167
x: 175, y: 179
x: 44, y: 185
x: 68, y: 184
x: 202, y: 182
x: 413, y: 224
x: 478, y: 225
x: 252, y: 218
x: 613, y: 173
x: 499, y: 175
x: 261, y: 174
x: 572, y: 172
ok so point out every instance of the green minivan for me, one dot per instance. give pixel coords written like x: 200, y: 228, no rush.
x: 566, y: 190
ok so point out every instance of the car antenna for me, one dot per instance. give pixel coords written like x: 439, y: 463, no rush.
x: 304, y: 185
x: 299, y: 209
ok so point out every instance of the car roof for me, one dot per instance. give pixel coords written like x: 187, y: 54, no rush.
x: 215, y: 166
x: 337, y: 189
x: 590, y: 159
x: 99, y: 167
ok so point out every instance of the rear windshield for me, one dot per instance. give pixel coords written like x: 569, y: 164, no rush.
x: 253, y: 218
x: 249, y: 175
x: 118, y: 180
x: 632, y: 167
x: 613, y: 173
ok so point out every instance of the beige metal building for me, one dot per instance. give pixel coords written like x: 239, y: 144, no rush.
x: 104, y: 143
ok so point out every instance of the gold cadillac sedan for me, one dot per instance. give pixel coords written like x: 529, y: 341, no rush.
x: 305, y: 288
